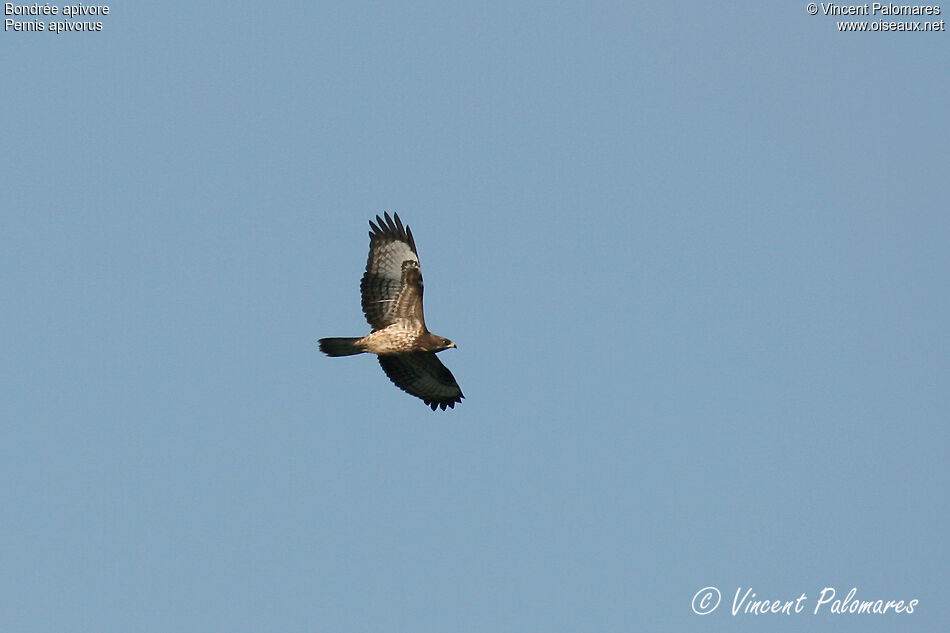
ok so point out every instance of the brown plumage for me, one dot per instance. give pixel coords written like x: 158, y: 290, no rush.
x: 391, y: 291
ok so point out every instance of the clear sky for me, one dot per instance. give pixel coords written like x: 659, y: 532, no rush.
x: 695, y: 258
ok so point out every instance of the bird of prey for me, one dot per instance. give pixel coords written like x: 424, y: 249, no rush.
x: 391, y: 291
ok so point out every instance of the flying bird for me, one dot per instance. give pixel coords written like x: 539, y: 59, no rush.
x: 391, y: 291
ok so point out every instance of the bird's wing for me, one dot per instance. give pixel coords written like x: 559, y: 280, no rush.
x: 424, y: 376
x: 391, y: 288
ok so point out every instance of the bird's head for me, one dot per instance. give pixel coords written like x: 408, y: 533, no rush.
x: 435, y: 343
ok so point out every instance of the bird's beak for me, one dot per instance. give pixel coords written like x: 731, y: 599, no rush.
x: 454, y: 345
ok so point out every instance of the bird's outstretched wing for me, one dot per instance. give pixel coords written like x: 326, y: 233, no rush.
x: 391, y: 288
x: 424, y: 376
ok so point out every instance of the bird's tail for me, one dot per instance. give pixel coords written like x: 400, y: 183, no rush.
x: 340, y: 346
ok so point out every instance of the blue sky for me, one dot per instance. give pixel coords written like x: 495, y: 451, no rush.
x: 695, y: 260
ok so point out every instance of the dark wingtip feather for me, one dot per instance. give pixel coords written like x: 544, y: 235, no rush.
x: 443, y: 404
x: 391, y: 227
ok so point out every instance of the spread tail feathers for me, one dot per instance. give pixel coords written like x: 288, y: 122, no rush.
x: 339, y: 346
